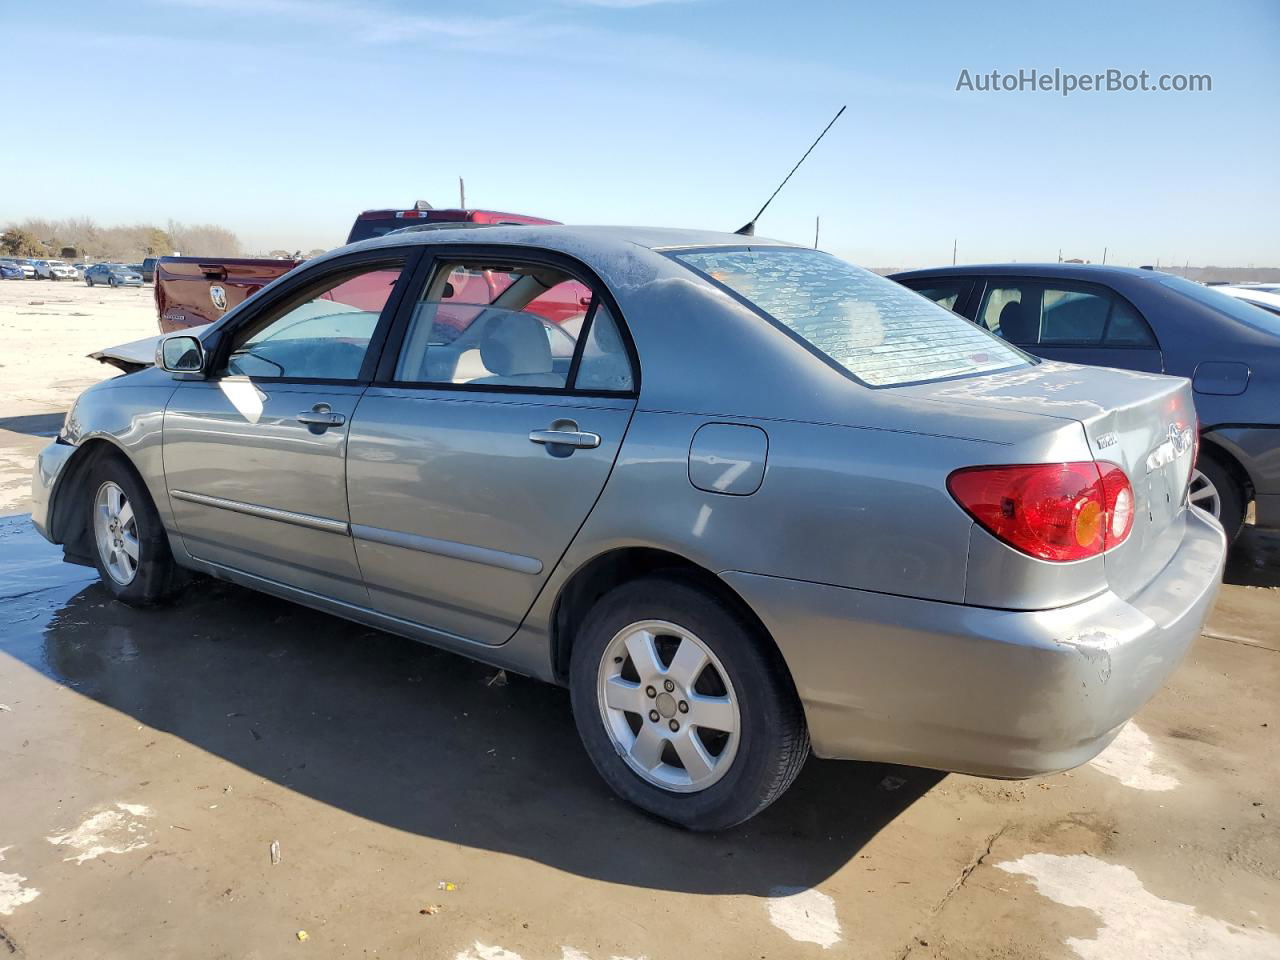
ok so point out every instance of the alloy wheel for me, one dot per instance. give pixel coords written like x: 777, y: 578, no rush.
x: 115, y: 530
x: 1204, y: 494
x: 669, y: 706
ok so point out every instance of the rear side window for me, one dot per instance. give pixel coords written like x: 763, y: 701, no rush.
x: 485, y: 324
x: 877, y: 330
x: 1033, y: 313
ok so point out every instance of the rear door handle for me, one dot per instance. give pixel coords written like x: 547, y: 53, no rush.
x: 321, y: 415
x: 566, y: 438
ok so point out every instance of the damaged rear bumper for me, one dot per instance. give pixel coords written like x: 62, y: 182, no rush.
x: 975, y: 690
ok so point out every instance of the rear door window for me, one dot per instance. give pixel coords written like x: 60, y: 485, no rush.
x: 1038, y: 313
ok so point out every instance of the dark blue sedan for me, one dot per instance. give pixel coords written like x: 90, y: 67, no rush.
x: 1146, y: 320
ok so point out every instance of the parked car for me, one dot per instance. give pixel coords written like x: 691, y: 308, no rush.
x: 193, y: 291
x: 768, y: 500
x: 28, y: 268
x: 148, y: 270
x: 1145, y: 320
x: 55, y: 270
x: 10, y: 270
x: 1258, y: 297
x: 113, y: 275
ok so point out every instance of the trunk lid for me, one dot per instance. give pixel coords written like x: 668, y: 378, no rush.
x: 1145, y: 423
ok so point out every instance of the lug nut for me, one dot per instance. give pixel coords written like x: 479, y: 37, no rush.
x: 653, y: 715
x: 650, y: 692
x: 684, y: 707
x: 668, y: 685
x: 674, y: 726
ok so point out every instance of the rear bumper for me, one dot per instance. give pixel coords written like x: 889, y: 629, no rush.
x: 44, y: 480
x: 975, y: 690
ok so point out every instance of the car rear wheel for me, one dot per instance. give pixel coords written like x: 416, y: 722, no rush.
x: 112, y: 282
x: 131, y: 550
x: 685, y: 709
x: 1216, y: 491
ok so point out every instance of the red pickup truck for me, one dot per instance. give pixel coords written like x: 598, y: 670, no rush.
x: 192, y: 291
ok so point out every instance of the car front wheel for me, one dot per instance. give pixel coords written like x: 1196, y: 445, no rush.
x: 685, y: 708
x: 88, y: 281
x: 131, y: 549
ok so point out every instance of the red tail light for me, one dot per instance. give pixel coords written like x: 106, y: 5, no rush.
x: 1053, y: 511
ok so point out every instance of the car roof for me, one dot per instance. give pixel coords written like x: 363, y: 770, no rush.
x: 1073, y: 271
x: 573, y: 239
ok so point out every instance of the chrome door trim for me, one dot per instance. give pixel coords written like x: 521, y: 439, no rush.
x: 449, y: 548
x: 266, y: 513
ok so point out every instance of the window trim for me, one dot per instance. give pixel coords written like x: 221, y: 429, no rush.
x: 405, y: 258
x: 675, y: 252
x: 1069, y: 284
x: 435, y: 254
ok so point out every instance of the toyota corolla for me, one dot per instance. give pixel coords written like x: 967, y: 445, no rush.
x: 751, y: 501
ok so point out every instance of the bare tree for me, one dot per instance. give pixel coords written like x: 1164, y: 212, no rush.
x: 203, y: 240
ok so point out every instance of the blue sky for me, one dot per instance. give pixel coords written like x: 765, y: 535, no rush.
x: 282, y: 118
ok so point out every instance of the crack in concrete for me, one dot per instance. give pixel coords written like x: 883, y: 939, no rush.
x: 1241, y: 641
x: 917, y: 936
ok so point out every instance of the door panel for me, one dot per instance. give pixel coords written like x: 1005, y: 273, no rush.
x: 458, y: 516
x: 255, y: 489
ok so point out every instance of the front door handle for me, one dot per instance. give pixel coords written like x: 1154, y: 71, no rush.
x: 565, y: 433
x: 321, y: 415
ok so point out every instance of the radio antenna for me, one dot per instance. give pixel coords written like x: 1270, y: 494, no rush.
x: 749, y: 229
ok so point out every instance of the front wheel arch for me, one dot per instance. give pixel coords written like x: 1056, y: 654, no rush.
x: 68, y: 513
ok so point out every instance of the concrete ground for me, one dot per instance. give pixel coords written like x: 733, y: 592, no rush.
x: 152, y: 761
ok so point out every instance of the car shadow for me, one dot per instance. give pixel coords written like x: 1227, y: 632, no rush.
x: 429, y: 742
x: 1254, y: 560
x: 34, y: 424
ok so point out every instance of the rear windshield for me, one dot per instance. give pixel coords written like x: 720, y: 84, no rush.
x: 877, y: 330
x: 1246, y: 313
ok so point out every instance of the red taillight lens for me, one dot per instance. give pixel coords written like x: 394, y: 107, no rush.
x: 1054, y: 511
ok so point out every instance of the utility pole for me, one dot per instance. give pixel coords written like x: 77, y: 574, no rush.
x: 1059, y: 254
x: 954, y: 243
x: 1104, y: 256
x: 462, y: 194
x: 817, y: 225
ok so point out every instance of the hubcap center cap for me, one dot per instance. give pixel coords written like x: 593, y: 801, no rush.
x: 666, y: 705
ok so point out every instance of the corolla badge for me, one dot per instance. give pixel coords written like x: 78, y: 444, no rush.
x: 219, y: 296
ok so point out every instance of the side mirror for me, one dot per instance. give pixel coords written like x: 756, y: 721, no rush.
x: 180, y: 355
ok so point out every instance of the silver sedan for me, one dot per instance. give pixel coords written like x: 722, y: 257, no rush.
x: 744, y: 499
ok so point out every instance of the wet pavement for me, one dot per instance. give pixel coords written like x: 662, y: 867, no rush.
x: 151, y: 758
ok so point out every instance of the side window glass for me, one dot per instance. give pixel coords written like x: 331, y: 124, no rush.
x: 1013, y: 312
x: 605, y: 364
x: 1127, y: 329
x: 323, y: 336
x: 945, y: 293
x: 475, y: 323
x: 1073, y: 317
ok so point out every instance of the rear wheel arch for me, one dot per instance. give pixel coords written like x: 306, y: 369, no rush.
x: 1209, y: 446
x: 611, y: 569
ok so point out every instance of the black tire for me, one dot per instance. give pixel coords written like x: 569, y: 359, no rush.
x: 111, y: 282
x: 773, y: 740
x: 1231, y: 496
x: 88, y: 281
x: 156, y: 577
